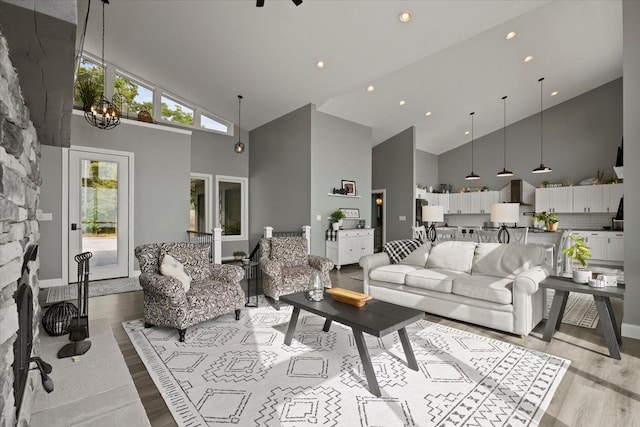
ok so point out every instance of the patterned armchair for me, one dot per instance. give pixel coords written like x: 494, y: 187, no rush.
x: 287, y: 268
x: 215, y: 289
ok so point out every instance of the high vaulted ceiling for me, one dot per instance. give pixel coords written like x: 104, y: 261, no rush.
x: 451, y: 58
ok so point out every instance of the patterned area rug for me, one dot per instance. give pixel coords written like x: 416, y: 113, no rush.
x: 240, y: 373
x: 96, y: 289
x: 580, y: 310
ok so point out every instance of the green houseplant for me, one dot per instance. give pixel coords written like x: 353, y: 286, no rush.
x: 552, y: 222
x: 239, y: 254
x: 579, y: 251
x: 88, y: 92
x: 336, y: 218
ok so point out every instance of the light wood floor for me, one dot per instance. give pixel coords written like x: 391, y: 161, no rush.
x: 596, y: 391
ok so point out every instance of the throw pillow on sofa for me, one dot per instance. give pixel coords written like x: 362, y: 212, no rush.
x: 452, y: 255
x: 170, y: 267
x: 495, y: 259
x: 399, y: 249
x: 419, y: 256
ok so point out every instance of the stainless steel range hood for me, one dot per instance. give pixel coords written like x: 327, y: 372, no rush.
x: 516, y: 192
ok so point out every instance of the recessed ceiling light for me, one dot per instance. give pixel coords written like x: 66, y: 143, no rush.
x: 320, y: 64
x: 554, y: 93
x: 404, y: 16
x: 427, y: 114
x: 402, y: 102
x: 528, y: 58
x: 467, y: 132
x: 510, y: 35
x: 371, y: 88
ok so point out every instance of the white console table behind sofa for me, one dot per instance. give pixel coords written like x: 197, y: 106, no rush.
x: 349, y: 246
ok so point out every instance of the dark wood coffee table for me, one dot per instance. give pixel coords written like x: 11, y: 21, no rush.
x: 377, y: 318
x: 602, y: 296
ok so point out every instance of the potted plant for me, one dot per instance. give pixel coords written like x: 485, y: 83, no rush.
x: 540, y: 220
x: 552, y: 222
x: 579, y: 251
x: 239, y: 255
x: 88, y: 92
x: 336, y: 218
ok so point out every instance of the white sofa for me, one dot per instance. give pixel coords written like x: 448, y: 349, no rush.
x: 489, y: 284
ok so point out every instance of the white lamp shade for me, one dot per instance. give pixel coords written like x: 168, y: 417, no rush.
x: 433, y: 213
x: 505, y: 212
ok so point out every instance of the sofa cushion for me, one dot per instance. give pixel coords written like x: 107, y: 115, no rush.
x: 290, y: 251
x: 486, y: 288
x: 394, y: 273
x: 194, y: 258
x: 452, y: 255
x: 499, y: 260
x: 398, y: 249
x: 419, y: 256
x: 297, y: 275
x: 433, y: 279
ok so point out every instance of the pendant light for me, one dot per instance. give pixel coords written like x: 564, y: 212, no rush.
x: 103, y: 114
x: 504, y: 171
x: 239, y: 147
x: 472, y: 176
x: 542, y: 168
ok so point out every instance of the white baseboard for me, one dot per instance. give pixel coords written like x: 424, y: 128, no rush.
x: 50, y: 283
x: 630, y: 331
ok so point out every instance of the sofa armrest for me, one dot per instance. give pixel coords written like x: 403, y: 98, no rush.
x: 227, y: 273
x: 162, y: 285
x: 271, y: 268
x: 527, y: 282
x: 320, y: 263
x: 369, y: 262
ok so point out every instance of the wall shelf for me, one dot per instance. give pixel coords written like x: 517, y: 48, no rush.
x: 344, y: 195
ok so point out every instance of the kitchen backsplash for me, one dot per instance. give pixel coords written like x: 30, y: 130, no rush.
x: 575, y: 221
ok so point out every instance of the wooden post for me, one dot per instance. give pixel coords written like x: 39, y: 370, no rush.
x: 217, y: 245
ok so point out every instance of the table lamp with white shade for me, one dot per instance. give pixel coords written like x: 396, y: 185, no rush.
x: 432, y: 214
x: 504, y: 213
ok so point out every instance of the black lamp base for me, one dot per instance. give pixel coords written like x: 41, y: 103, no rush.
x: 503, y: 235
x: 431, y: 233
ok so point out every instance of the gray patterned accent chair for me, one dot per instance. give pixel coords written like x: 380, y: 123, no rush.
x: 215, y: 289
x: 287, y: 267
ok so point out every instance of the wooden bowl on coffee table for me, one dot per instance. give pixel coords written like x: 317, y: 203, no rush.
x: 349, y: 297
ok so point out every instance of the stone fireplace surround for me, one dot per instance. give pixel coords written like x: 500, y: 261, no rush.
x: 19, y: 207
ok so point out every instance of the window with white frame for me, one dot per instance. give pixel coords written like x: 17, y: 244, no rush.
x: 131, y: 97
x: 176, y: 112
x: 212, y: 124
x: 89, y: 82
x: 232, y: 207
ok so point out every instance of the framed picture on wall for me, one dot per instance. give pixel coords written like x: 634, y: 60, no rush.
x: 353, y: 213
x: 350, y: 186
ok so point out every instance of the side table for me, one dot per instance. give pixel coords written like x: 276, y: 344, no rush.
x: 251, y: 273
x: 602, y: 296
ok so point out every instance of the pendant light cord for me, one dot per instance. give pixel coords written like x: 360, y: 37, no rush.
x: 81, y: 49
x: 239, y: 118
x: 541, y: 156
x: 471, y: 114
x: 504, y: 133
x: 104, y: 71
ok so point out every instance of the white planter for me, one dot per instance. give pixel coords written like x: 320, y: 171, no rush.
x: 336, y: 226
x: 581, y: 276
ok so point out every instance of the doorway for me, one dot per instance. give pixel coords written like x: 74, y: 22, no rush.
x: 99, y: 211
x: 378, y: 215
x: 200, y: 203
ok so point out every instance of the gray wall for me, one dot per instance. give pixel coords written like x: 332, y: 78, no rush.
x: 51, y: 202
x: 581, y: 135
x: 393, y: 170
x: 340, y: 149
x: 631, y: 71
x: 161, y: 183
x: 279, y: 173
x: 212, y: 153
x: 426, y: 169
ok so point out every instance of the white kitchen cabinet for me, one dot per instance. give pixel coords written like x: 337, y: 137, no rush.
x: 421, y: 193
x: 480, y: 202
x: 611, y: 195
x: 615, y: 246
x: 588, y: 199
x: 432, y: 198
x: 556, y: 199
x: 443, y: 200
x: 603, y: 245
x: 459, y: 203
x: 349, y: 246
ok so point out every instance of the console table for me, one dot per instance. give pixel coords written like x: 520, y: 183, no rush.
x: 349, y: 246
x: 602, y: 296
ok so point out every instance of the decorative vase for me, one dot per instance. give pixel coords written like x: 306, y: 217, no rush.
x: 552, y: 227
x: 581, y: 275
x: 335, y: 226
